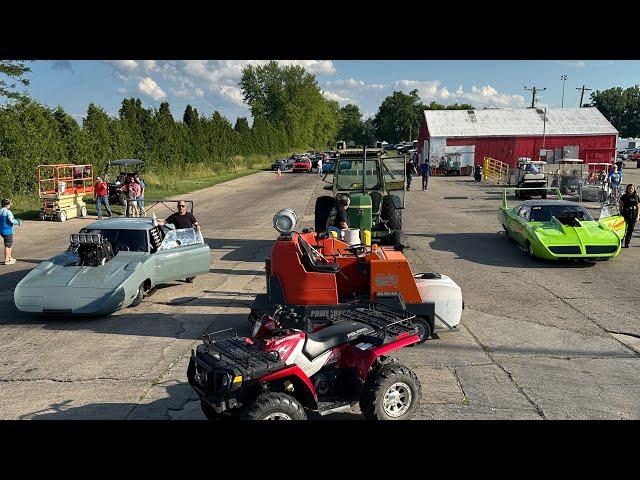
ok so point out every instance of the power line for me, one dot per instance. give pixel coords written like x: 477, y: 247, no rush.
x: 583, y: 89
x: 533, y: 91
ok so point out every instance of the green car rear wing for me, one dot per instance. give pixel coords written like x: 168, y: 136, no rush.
x: 504, y: 193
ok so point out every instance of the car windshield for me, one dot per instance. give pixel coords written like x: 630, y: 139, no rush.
x: 123, y: 240
x: 543, y: 213
x: 350, y: 174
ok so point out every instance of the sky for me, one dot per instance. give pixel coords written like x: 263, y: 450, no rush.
x: 210, y: 85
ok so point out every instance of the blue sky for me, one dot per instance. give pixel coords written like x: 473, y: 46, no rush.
x: 210, y: 85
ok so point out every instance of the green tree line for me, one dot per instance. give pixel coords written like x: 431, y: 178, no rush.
x: 621, y: 106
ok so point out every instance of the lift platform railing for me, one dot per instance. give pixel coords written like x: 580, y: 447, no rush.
x: 495, y: 170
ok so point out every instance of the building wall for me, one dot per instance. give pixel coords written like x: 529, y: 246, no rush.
x: 508, y: 149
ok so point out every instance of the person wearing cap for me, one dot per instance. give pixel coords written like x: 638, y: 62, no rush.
x: 7, y: 221
x: 182, y: 219
x: 101, y: 195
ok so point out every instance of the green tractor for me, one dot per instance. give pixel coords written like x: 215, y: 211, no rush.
x: 375, y: 185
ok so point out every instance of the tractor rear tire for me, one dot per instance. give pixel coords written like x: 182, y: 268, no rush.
x: 397, y: 236
x: 324, y: 205
x: 392, y: 392
x: 274, y: 406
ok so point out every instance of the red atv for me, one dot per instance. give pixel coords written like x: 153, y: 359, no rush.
x: 317, y: 357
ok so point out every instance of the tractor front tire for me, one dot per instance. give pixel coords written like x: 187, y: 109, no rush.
x: 392, y: 392
x: 274, y: 406
x: 323, y: 208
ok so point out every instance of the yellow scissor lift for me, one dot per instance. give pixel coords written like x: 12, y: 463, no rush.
x: 61, y: 188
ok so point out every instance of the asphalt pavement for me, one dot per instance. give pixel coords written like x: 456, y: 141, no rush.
x: 538, y: 340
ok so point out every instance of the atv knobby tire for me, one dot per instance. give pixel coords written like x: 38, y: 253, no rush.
x: 324, y: 205
x: 386, y: 388
x: 274, y: 406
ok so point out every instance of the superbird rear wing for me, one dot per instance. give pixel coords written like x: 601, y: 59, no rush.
x: 505, y: 204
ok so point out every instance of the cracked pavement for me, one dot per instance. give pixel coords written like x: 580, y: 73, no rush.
x: 538, y: 340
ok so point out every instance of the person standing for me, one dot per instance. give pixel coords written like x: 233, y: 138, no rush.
x: 630, y: 211
x: 141, y: 196
x: 132, y: 189
x: 320, y: 166
x: 425, y: 175
x: 411, y: 169
x: 7, y: 221
x: 182, y: 219
x: 101, y: 196
x: 615, y: 178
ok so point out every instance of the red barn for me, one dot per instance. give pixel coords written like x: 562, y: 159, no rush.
x: 507, y: 134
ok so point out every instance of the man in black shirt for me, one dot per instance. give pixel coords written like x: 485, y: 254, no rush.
x: 182, y: 218
x: 341, y: 219
x: 630, y: 211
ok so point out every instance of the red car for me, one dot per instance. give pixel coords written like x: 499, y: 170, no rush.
x: 302, y: 165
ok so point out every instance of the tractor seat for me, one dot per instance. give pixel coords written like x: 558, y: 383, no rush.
x: 314, y: 266
x: 332, y: 336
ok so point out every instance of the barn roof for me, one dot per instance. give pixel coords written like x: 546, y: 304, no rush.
x: 517, y: 122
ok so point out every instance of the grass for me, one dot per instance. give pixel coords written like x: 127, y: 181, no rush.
x: 165, y: 183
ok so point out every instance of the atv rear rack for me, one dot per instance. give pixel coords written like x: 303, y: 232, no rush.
x: 386, y: 321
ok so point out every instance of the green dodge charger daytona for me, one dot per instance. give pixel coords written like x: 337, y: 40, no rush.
x: 554, y: 229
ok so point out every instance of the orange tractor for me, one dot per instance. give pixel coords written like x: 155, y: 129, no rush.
x: 307, y: 269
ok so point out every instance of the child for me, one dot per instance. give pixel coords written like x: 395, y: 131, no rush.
x: 7, y: 221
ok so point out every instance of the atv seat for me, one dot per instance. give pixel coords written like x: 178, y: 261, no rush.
x: 332, y: 336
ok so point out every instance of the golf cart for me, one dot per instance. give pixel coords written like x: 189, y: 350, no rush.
x: 568, y: 177
x: 595, y: 187
x: 530, y: 174
x: 375, y: 185
x: 451, y: 163
x: 126, y: 168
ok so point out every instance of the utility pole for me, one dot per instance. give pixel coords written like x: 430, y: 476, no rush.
x: 563, y: 78
x: 583, y: 89
x: 534, y: 90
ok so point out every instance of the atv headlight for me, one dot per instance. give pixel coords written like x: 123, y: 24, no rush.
x: 285, y: 220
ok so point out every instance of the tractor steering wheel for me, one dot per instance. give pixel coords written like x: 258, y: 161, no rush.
x: 356, y: 250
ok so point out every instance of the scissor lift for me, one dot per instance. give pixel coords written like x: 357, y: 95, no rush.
x: 61, y: 188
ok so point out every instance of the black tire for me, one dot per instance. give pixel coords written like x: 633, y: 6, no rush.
x: 543, y: 195
x: 390, y: 213
x: 274, y: 406
x: 424, y: 330
x: 397, y: 236
x: 139, y: 296
x: 507, y: 237
x: 122, y: 199
x: 381, y: 382
x: 189, y: 279
x: 323, y: 208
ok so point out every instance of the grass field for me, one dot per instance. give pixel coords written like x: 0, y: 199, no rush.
x: 163, y: 184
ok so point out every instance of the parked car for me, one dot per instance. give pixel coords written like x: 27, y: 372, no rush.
x: 328, y: 167
x: 302, y: 165
x: 554, y: 229
x: 280, y: 164
x: 112, y: 264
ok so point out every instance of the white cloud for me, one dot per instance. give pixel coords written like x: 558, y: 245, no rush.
x: 229, y: 92
x: 575, y: 64
x: 127, y: 65
x: 149, y: 87
x: 315, y: 67
x: 150, y: 66
x: 337, y: 98
x: 121, y: 90
x: 353, y: 84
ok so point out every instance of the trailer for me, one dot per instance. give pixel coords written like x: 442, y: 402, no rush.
x: 61, y: 188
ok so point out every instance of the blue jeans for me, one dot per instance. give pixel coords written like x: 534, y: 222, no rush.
x: 100, y: 200
x: 140, y: 203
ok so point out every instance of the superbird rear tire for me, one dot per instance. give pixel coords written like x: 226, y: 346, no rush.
x: 139, y: 296
x: 392, y: 392
x: 274, y: 406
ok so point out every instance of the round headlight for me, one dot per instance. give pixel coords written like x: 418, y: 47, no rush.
x: 285, y: 220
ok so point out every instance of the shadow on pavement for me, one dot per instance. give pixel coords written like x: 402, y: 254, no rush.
x: 180, y: 403
x: 241, y: 250
x: 492, y: 249
x: 181, y: 326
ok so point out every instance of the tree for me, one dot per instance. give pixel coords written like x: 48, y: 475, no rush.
x: 16, y: 71
x: 242, y: 125
x: 398, y: 117
x: 621, y: 107
x: 351, y: 125
x: 190, y: 117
